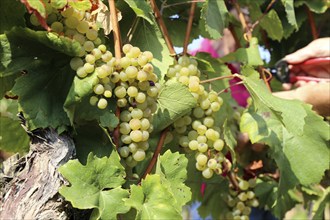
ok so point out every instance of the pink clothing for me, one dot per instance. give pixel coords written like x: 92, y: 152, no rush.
x: 239, y: 92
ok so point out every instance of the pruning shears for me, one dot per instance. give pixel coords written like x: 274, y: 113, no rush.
x: 281, y: 70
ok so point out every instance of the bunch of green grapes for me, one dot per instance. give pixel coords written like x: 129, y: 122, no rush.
x: 136, y: 92
x: 240, y: 202
x: 198, y: 131
x: 130, y: 80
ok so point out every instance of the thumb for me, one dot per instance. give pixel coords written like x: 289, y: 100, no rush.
x: 298, y: 56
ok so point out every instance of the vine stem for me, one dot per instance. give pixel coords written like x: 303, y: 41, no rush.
x: 189, y: 26
x: 162, y: 26
x: 231, y: 176
x: 117, y: 42
x: 263, y: 15
x: 312, y: 23
x: 243, y: 21
x: 116, y: 31
x: 217, y: 78
x: 156, y: 153
x: 263, y: 72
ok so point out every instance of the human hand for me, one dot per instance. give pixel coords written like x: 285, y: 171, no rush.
x: 317, y: 48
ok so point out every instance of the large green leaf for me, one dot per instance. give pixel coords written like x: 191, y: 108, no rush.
x: 142, y: 9
x: 96, y: 185
x: 214, y: 18
x: 172, y: 167
x: 42, y: 90
x: 11, y: 14
x: 250, y: 55
x: 296, y: 135
x: 174, y: 101
x: 271, y: 23
x: 152, y: 200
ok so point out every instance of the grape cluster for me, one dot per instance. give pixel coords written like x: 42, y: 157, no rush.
x: 130, y: 79
x: 240, y: 202
x: 198, y: 131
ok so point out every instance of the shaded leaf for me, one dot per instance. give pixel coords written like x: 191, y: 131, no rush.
x: 214, y: 17
x: 91, y: 138
x: 290, y: 12
x: 142, y: 9
x: 7, y: 10
x: 317, y: 6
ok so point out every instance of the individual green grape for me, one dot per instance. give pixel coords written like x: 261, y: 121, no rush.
x: 184, y: 141
x: 139, y: 155
x: 120, y: 92
x: 102, y: 103
x: 137, y: 113
x: 57, y: 27
x: 131, y: 72
x: 243, y: 185
x: 107, y: 93
x: 141, y: 97
x: 89, y: 46
x: 34, y: 20
x: 71, y: 22
x: 136, y: 135
x: 82, y: 27
x: 242, y: 196
x: 207, y: 173
x: 122, y: 102
x: 124, y: 151
x: 212, y: 164
x: 202, y: 147
x: 135, y: 124
x: 201, y: 159
x: 98, y: 89
x: 132, y: 91
x: 218, y: 144
x: 127, y: 48
x: 193, y: 145
x: 124, y: 128
x: 76, y: 62
x: 198, y: 112
x: 93, y: 100
x: 89, y: 68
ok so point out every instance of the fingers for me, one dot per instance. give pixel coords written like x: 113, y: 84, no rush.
x: 317, y: 48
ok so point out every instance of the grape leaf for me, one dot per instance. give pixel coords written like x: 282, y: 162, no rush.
x: 92, y: 185
x: 90, y: 137
x: 174, y: 101
x: 324, y: 201
x: 271, y: 23
x: 172, y: 169
x: 250, y: 55
x: 290, y: 12
x: 214, y: 18
x: 296, y: 135
x: 13, y: 137
x: 58, y: 4
x: 46, y: 82
x: 142, y: 9
x: 111, y: 204
x: 267, y: 193
x: 80, y: 5
x: 149, y: 37
x: 11, y: 14
x: 152, y: 200
x: 36, y: 5
x: 317, y: 6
